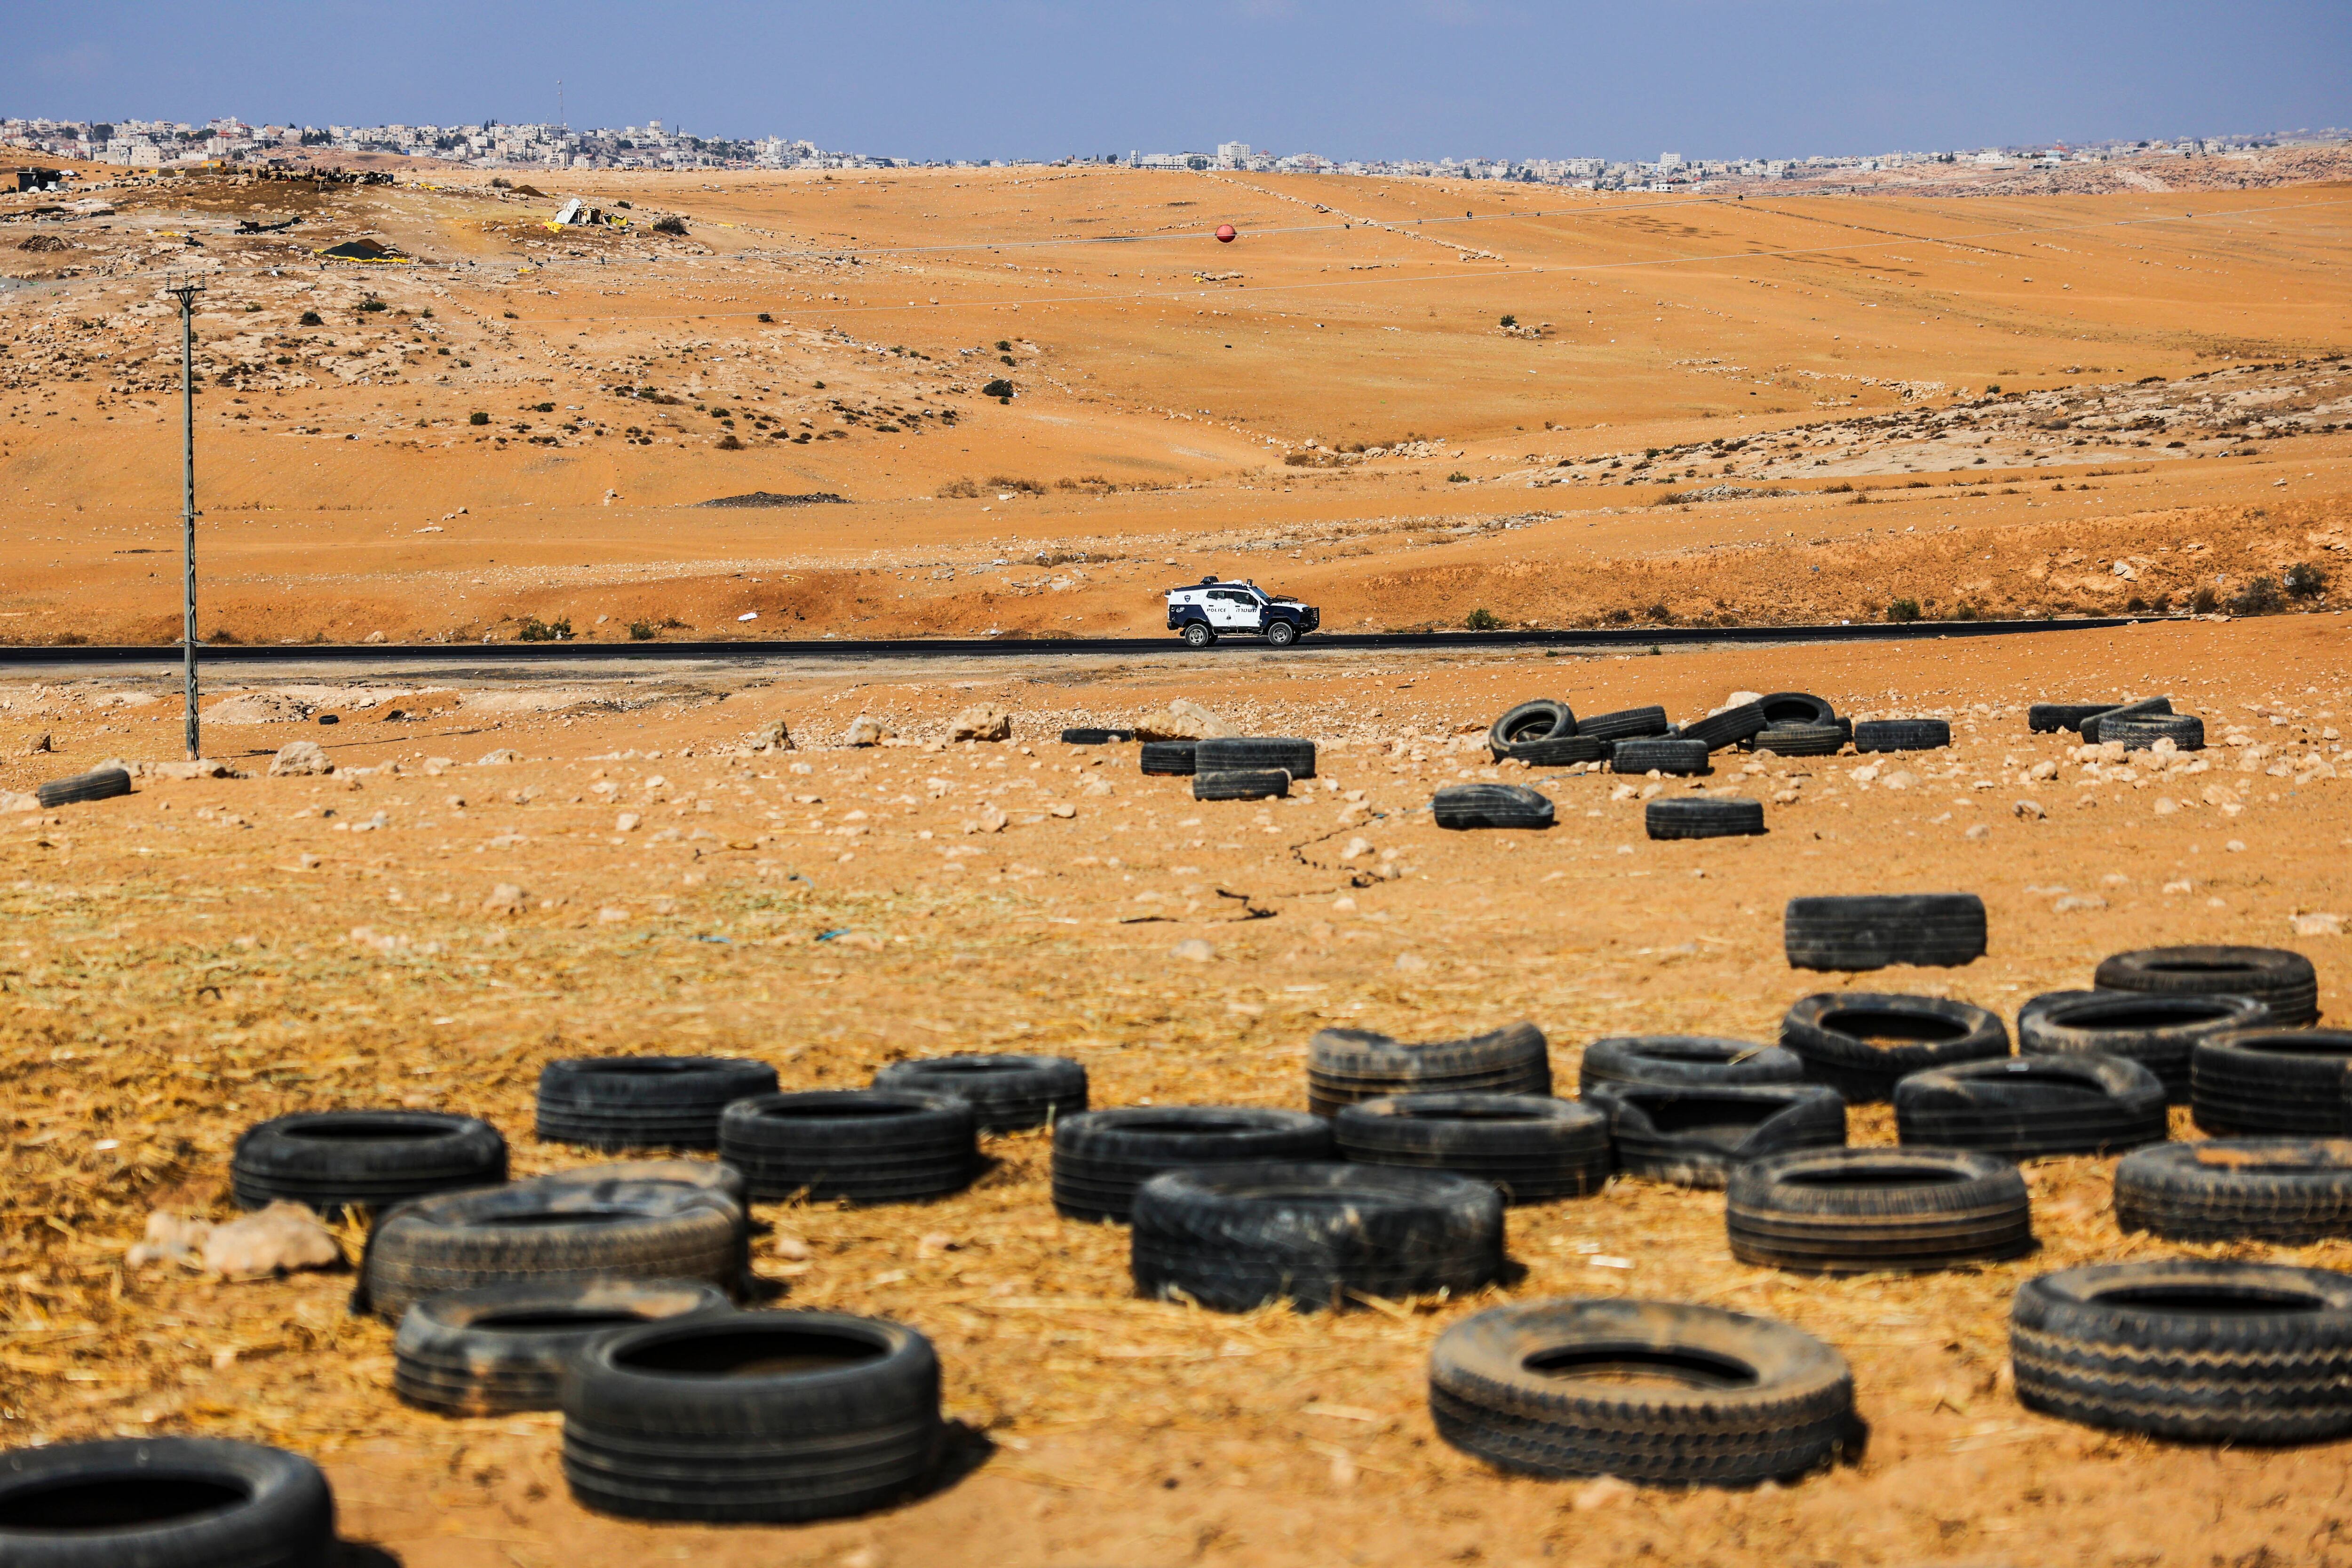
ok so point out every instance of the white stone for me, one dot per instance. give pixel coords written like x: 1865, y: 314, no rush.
x: 864, y: 730
x: 281, y: 1238
x: 982, y: 722
x: 298, y: 759
x: 1193, y: 949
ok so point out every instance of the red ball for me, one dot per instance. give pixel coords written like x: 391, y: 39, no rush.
x: 1224, y: 234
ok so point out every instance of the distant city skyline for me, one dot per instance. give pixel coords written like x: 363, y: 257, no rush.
x: 1374, y: 79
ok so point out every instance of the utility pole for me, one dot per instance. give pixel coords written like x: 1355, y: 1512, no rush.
x: 185, y: 291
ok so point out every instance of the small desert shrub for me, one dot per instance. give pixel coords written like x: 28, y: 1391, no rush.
x: 731, y: 442
x: 1860, y: 497
x: 1482, y: 620
x: 557, y: 630
x: 642, y: 631
x: 1660, y: 613
x: 958, y: 489
x: 370, y: 305
x: 2258, y: 597
x: 1000, y: 389
x: 1902, y: 610
x: 1004, y: 345
x: 1964, y: 611
x: 1838, y: 488
x: 2304, y: 580
x: 1457, y: 478
x: 478, y: 418
x: 1024, y: 486
x: 2202, y: 602
x: 670, y: 225
x: 311, y: 319
x: 1509, y: 321
x: 767, y: 318
x: 542, y: 407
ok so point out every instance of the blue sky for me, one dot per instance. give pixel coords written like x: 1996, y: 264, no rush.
x: 925, y: 79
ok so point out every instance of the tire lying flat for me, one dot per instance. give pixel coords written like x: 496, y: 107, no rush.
x: 1256, y: 754
x: 2050, y: 718
x: 1101, y: 1157
x: 1344, y: 1066
x: 1167, y: 758
x: 1696, y: 1136
x: 1096, y: 737
x: 1697, y: 817
x: 2186, y: 731
x: 2160, y: 1032
x: 1695, y: 1060
x: 1490, y: 805
x: 2028, y: 1107
x: 1862, y: 1043
x: 1673, y: 754
x: 2294, y: 1191
x: 1625, y: 724
x: 1902, y: 735
x: 1801, y: 740
x: 1651, y: 1392
x: 1866, y: 1211
x: 752, y: 1417
x: 164, y: 1502
x: 644, y: 1102
x: 2092, y: 728
x: 1874, y: 931
x: 2281, y: 980
x: 2255, y: 1083
x: 484, y: 1352
x: 1007, y: 1092
x: 1529, y: 1148
x: 869, y: 1146
x: 2189, y: 1349
x: 333, y: 1160
x: 1561, y: 751
x: 1240, y: 784
x: 1783, y: 708
x: 550, y: 1233
x: 1319, y: 1235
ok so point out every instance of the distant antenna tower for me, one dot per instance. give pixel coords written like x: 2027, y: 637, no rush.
x: 559, y: 102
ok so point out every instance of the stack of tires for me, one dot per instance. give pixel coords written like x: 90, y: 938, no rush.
x: 1800, y: 724
x: 2137, y: 726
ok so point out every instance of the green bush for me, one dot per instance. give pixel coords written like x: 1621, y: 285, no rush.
x: 1000, y: 389
x: 1483, y: 620
x: 478, y: 418
x: 311, y: 319
x: 2258, y: 597
x: 2305, y: 580
x: 1457, y: 478
x: 558, y: 630
x: 1902, y: 610
x: 642, y: 631
x: 1509, y: 321
x: 2202, y: 602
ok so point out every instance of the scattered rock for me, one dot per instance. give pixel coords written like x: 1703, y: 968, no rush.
x: 2030, y: 810
x: 611, y: 914
x: 864, y: 730
x: 773, y: 736
x: 2040, y: 771
x: 990, y: 820
x: 299, y: 759
x: 281, y: 1238
x: 792, y: 1248
x: 982, y: 722
x: 14, y: 800
x: 1182, y: 720
x: 376, y: 636
x: 1357, y: 848
x: 1603, y: 1492
x: 1410, y: 962
x: 258, y: 707
x: 1061, y: 808
x: 2074, y: 902
x: 2316, y: 924
x: 170, y: 1238
x: 38, y: 744
x: 504, y: 756
x: 2166, y: 805
x: 201, y: 768
x: 1978, y: 833
x: 1193, y: 949
x: 626, y: 822
x: 506, y: 898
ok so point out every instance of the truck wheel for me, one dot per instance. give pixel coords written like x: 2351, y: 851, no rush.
x: 1198, y: 635
x: 1282, y: 634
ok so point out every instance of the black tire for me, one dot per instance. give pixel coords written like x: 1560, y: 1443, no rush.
x: 1727, y: 728
x: 1873, y: 931
x: 164, y: 1502
x: 1246, y: 754
x: 483, y: 1352
x: 2281, y: 980
x: 707, y: 1175
x: 1007, y: 1092
x: 1196, y: 635
x: 644, y: 1102
x: 1784, y: 708
x: 2257, y: 1083
x: 1870, y: 1211
x: 1319, y: 1235
x: 1490, y: 805
x: 2186, y: 731
x: 1625, y: 724
x: 551, y: 1232
x: 1694, y: 1136
x: 1542, y: 720
x: 2187, y: 1348
x: 2028, y: 1107
x: 103, y: 783
x: 1560, y: 750
x: 1860, y: 1043
x: 752, y: 1417
x: 1096, y: 737
x: 1281, y: 634
x: 1531, y: 1148
x: 1652, y: 1391
x: 1690, y: 1060
x: 1241, y: 784
x: 332, y: 1160
x: 1801, y: 740
x: 1695, y: 816
x: 1902, y: 735
x: 1101, y: 1157
x: 2093, y: 728
x: 2292, y: 1191
x: 866, y: 1145
x: 1673, y: 755
x: 1345, y: 1067
x: 1167, y: 759
x: 2160, y: 1032
x: 2050, y: 718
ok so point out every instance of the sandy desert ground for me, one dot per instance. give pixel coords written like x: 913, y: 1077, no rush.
x: 210, y: 952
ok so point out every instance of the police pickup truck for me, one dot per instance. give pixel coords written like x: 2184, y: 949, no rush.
x: 1209, y: 609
